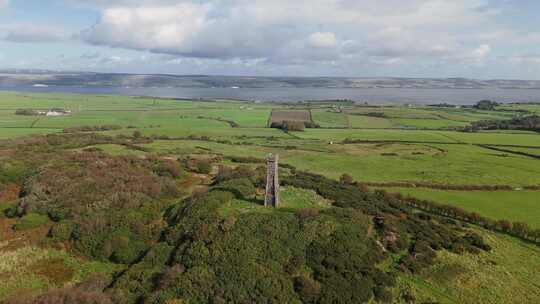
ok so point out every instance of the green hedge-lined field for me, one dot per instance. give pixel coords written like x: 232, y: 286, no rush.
x: 516, y: 206
x: 378, y: 150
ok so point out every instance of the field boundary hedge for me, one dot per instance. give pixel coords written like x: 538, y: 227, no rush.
x: 516, y: 229
x: 232, y: 123
x: 349, y: 141
x: 535, y: 156
x: 440, y: 186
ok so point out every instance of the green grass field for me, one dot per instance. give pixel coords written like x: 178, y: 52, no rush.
x: 326, y: 118
x: 450, y: 164
x: 396, y: 153
x: 516, y: 206
x: 507, y: 274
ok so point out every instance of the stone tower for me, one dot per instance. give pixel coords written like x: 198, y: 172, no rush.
x: 272, y: 181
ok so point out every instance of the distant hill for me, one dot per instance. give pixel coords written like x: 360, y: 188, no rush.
x: 18, y: 77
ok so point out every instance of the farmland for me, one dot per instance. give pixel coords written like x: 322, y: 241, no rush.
x: 512, y: 205
x: 392, y: 147
x: 418, y: 151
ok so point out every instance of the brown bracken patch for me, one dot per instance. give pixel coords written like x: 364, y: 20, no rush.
x: 55, y: 270
x: 10, y: 193
x: 18, y: 239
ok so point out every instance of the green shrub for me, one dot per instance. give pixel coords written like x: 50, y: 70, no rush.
x: 382, y: 295
x: 61, y: 231
x: 31, y: 221
x: 204, y: 167
x: 137, y: 134
x: 307, y: 288
x: 242, y: 188
x: 26, y: 112
x: 293, y: 126
x: 346, y: 179
x: 169, y: 168
x: 4, y: 207
x: 126, y: 249
x: 57, y: 214
x: 227, y: 173
x: 139, y: 279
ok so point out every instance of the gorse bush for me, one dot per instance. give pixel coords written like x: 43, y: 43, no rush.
x: 31, y: 221
x: 125, y: 210
x: 242, y: 188
x: 61, y: 231
x: 260, y: 257
x: 204, y: 166
x: 422, y: 228
x: 227, y: 173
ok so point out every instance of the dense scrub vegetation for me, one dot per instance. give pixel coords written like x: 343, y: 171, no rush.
x: 26, y: 112
x: 292, y: 125
x: 107, y: 208
x: 278, y: 257
x: 92, y: 128
x: 486, y: 105
x: 307, y: 256
x: 134, y: 211
x: 439, y: 186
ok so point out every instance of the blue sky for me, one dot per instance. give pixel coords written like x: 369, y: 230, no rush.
x: 405, y: 38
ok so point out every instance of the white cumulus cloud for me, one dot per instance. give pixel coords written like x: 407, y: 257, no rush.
x: 164, y: 28
x: 313, y: 36
x: 281, y: 30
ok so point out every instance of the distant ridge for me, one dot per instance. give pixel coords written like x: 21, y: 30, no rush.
x: 29, y: 77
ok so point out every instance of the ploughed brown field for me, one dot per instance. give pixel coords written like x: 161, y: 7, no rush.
x: 289, y: 115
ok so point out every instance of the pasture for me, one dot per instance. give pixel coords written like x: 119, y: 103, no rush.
x: 511, y: 205
x: 381, y: 144
x: 419, y: 145
x: 508, y: 274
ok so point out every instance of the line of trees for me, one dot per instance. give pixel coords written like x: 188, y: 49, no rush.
x: 26, y: 112
x: 526, y: 123
x: 294, y: 125
x: 438, y: 186
x: 92, y: 128
x: 486, y: 105
x: 517, y: 229
x: 537, y: 156
x: 231, y: 123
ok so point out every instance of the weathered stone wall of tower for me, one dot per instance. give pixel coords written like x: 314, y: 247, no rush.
x: 272, y: 181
